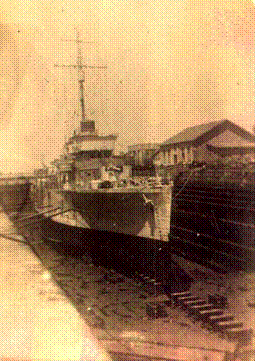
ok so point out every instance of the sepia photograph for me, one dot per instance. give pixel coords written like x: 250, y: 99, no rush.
x: 127, y: 180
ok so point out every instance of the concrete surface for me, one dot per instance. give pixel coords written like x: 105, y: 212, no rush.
x: 37, y: 322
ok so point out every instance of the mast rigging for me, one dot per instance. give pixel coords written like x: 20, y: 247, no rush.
x: 79, y: 65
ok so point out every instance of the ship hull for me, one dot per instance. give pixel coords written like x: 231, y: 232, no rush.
x: 125, y: 253
x: 130, y: 212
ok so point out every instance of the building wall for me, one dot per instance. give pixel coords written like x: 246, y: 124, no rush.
x: 142, y: 153
x: 175, y: 155
x: 203, y: 154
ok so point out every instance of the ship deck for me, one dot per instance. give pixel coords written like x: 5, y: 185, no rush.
x: 118, y: 190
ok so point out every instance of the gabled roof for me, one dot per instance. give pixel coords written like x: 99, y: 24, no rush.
x: 235, y: 143
x: 191, y: 134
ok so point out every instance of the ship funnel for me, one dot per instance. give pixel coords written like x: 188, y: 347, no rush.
x: 87, y: 126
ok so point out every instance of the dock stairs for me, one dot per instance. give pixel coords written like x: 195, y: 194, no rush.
x: 212, y: 316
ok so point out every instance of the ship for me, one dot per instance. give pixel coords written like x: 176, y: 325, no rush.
x: 100, y: 186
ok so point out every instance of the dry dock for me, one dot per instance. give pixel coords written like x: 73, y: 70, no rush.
x: 58, y: 305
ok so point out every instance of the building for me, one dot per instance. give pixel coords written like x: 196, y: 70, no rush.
x: 140, y: 157
x: 205, y: 143
x: 142, y: 154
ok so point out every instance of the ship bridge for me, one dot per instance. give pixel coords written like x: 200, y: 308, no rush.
x: 87, y: 142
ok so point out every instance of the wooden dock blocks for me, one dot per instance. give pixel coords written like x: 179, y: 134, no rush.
x: 222, y: 325
x: 200, y: 307
x: 176, y: 295
x: 189, y: 303
x: 213, y: 311
x: 221, y: 318
x: 186, y: 298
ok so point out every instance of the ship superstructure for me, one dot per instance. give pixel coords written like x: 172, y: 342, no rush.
x: 100, y: 187
x: 86, y: 153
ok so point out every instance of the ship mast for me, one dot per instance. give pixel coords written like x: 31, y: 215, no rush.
x: 80, y: 74
x: 79, y: 65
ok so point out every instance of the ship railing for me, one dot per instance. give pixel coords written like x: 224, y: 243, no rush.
x: 119, y: 184
x: 13, y: 181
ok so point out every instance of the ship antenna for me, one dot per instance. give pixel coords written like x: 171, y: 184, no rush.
x: 79, y: 65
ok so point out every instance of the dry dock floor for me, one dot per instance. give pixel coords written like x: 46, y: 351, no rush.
x: 60, y: 306
x: 37, y: 320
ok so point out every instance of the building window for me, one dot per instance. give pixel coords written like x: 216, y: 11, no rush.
x: 166, y: 157
x: 175, y: 159
x: 169, y: 157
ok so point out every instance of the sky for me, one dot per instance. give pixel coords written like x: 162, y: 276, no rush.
x: 170, y: 65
